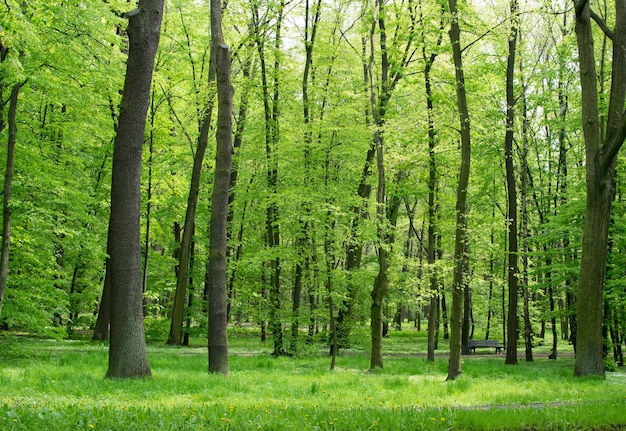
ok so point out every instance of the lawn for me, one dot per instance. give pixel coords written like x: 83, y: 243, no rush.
x: 60, y: 385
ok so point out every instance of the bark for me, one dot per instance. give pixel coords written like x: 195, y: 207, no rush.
x: 8, y: 188
x: 512, y: 265
x: 600, y: 155
x: 127, y: 348
x: 460, y: 241
x: 467, y: 324
x: 218, y: 296
x: 379, y: 290
x: 528, y: 334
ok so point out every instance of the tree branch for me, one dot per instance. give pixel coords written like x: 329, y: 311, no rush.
x: 613, y: 144
x: 601, y: 23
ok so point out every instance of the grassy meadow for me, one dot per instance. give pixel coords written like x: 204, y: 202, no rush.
x: 60, y: 385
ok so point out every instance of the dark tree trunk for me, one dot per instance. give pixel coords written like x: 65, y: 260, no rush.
x: 460, y: 242
x: 528, y: 334
x: 218, y: 295
x: 8, y: 188
x: 466, y: 331
x: 512, y: 266
x: 431, y: 252
x: 600, y: 157
x: 127, y: 348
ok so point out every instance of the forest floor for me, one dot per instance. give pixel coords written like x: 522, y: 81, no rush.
x: 60, y: 385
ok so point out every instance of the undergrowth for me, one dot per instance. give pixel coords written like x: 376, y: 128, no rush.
x: 60, y: 385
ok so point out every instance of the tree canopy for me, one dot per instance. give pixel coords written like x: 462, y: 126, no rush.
x: 328, y: 96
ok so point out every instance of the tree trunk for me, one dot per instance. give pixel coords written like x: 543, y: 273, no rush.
x: 8, y: 188
x: 600, y: 160
x: 431, y: 252
x: 528, y: 334
x: 272, y: 138
x: 218, y: 295
x: 101, y: 331
x: 182, y: 278
x: 127, y: 348
x: 512, y: 328
x: 460, y: 241
x: 433, y: 324
x: 378, y: 105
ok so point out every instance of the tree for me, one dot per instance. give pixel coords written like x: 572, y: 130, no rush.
x: 460, y: 242
x: 272, y: 109
x: 182, y: 277
x: 512, y: 267
x: 600, y: 153
x: 217, y: 271
x: 127, y: 349
x: 8, y: 186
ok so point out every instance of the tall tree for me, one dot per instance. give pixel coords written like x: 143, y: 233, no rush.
x: 429, y: 59
x: 217, y: 277
x: 182, y: 276
x: 600, y: 153
x: 311, y: 21
x: 8, y: 187
x: 271, y: 107
x: 512, y: 266
x: 461, y: 265
x: 127, y: 350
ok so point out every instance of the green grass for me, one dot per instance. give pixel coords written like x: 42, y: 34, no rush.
x: 59, y: 385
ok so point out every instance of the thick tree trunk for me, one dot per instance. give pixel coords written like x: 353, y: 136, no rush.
x: 218, y: 297
x: 600, y: 161
x: 460, y: 242
x: 8, y: 188
x: 127, y: 349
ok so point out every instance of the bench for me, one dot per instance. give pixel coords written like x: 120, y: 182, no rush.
x: 472, y: 345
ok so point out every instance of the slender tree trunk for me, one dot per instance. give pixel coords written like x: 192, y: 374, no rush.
x: 431, y: 252
x: 8, y: 188
x: 146, y: 256
x: 512, y: 265
x: 466, y: 331
x: 354, y: 248
x: 460, y: 242
x: 600, y: 157
x: 178, y: 309
x: 127, y: 348
x: 528, y: 334
x: 101, y: 330
x: 272, y: 138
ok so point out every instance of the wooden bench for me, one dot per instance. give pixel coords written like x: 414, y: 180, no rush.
x: 472, y: 345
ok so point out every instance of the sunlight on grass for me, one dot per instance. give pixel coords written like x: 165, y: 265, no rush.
x: 61, y: 386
